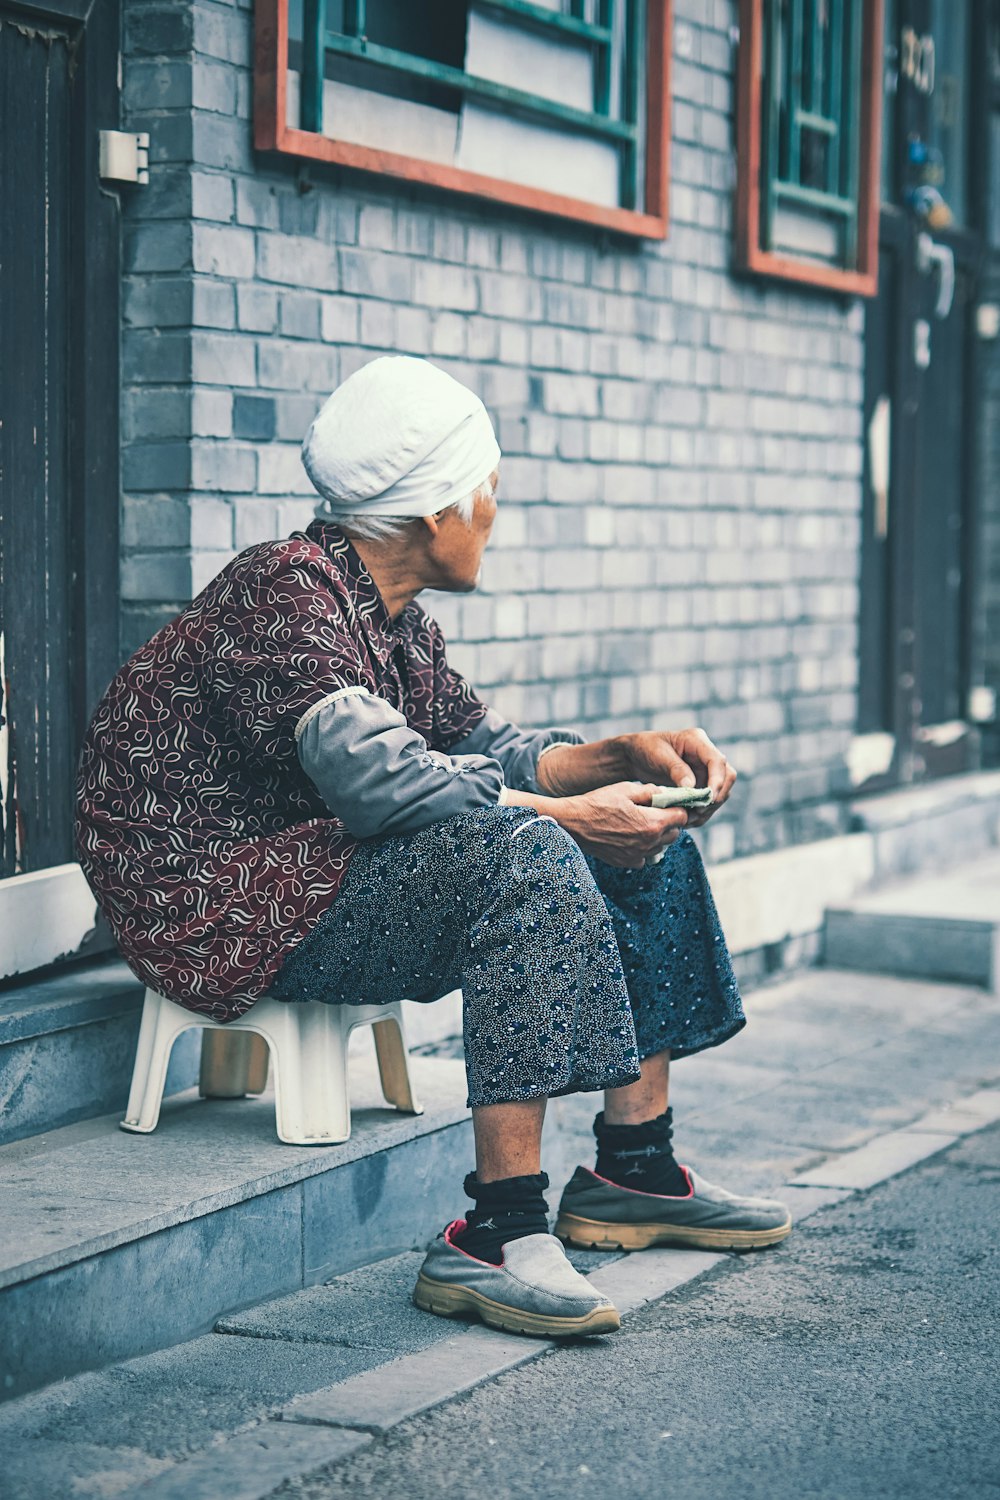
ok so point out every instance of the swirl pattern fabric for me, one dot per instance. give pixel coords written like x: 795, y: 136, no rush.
x: 208, y: 848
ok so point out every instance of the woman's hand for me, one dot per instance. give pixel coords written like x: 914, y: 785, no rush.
x: 617, y: 823
x: 681, y: 757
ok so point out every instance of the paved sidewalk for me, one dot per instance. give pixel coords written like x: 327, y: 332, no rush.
x: 828, y: 1059
x: 829, y: 1062
x: 857, y: 1360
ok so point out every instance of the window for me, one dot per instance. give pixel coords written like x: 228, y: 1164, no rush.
x: 810, y: 89
x: 556, y: 105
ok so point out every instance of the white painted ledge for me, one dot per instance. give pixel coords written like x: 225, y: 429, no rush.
x: 44, y: 916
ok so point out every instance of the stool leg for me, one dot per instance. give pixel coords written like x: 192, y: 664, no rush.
x: 225, y: 1064
x: 161, y: 1025
x: 393, y: 1065
x: 309, y: 1047
x: 260, y: 1061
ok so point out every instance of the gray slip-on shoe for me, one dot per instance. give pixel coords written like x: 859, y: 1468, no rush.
x: 599, y: 1215
x: 534, y: 1291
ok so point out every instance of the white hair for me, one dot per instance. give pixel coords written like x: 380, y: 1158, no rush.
x: 385, y: 528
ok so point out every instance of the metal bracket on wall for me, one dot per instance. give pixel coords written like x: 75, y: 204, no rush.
x: 929, y: 255
x: 124, y: 156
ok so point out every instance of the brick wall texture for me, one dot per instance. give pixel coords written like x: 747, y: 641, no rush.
x: 677, y: 541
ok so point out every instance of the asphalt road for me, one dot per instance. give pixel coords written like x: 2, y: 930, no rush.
x: 860, y: 1359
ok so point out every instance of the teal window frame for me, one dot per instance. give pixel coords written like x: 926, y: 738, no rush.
x: 624, y: 132
x: 638, y: 129
x: 809, y: 138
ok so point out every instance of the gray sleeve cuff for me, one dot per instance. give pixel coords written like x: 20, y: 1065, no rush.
x: 377, y: 774
x: 516, y: 749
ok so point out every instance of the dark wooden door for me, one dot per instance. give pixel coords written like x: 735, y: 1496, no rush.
x: 59, y: 339
x: 919, y: 404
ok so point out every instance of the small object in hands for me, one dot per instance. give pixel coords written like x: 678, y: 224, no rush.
x: 683, y: 796
x: 679, y: 796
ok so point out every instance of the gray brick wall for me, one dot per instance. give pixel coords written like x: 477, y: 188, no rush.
x: 677, y: 541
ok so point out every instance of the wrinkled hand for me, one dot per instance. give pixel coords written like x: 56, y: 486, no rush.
x: 618, y: 824
x: 681, y: 757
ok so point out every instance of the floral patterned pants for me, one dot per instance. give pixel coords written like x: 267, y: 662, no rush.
x: 571, y: 970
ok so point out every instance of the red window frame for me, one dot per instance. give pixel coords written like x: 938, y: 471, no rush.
x: 750, y: 255
x: 272, y: 133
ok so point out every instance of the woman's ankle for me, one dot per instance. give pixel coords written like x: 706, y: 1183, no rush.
x: 507, y: 1209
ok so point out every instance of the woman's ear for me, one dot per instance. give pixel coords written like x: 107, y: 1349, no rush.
x: 433, y: 524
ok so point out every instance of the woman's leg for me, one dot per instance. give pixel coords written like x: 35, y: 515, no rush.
x: 643, y: 1100
x: 683, y: 995
x: 684, y: 998
x: 681, y: 984
x: 508, y: 1139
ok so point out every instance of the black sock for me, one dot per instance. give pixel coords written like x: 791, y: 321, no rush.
x: 505, y: 1210
x: 640, y: 1156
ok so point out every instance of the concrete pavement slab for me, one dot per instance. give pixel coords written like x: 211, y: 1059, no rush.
x: 178, y: 1401
x: 971, y: 1113
x: 638, y: 1279
x: 803, y: 1202
x: 915, y: 1045
x: 42, y: 1469
x: 707, y: 1139
x: 385, y: 1397
x: 963, y: 1021
x: 844, y: 994
x: 825, y: 1116
x: 804, y: 988
x: 948, y: 1121
x: 368, y: 1308
x: 376, y: 1395
x: 911, y: 1060
x: 931, y: 1064
x: 252, y: 1465
x: 880, y: 1159
x: 704, y: 1087
x: 742, y: 1161
x: 794, y: 1042
x: 984, y: 1102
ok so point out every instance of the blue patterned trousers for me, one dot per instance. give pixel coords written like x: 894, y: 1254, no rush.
x: 571, y: 970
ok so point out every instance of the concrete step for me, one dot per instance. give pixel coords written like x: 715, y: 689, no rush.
x: 941, y: 927
x: 114, y: 1245
x: 67, y: 1044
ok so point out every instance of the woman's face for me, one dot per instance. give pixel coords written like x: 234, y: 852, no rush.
x: 458, y: 548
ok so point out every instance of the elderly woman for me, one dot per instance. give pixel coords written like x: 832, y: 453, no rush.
x: 289, y: 792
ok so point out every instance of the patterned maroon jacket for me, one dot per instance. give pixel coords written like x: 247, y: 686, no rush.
x: 208, y: 848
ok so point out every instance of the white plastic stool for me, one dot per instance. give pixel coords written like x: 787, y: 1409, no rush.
x: 307, y: 1042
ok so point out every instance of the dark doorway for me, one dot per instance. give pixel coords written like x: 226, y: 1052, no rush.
x: 919, y: 506
x: 59, y: 336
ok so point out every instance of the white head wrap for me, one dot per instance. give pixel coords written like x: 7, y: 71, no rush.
x: 399, y: 438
